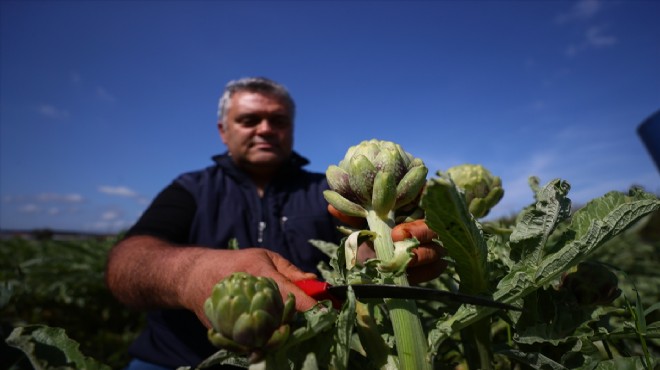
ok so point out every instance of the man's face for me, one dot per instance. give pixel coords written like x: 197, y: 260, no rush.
x: 257, y: 130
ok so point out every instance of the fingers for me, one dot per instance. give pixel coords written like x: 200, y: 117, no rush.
x: 417, y: 229
x: 289, y: 270
x: 303, y: 301
x: 427, y: 262
x: 291, y: 273
x: 421, y: 273
x: 356, y: 222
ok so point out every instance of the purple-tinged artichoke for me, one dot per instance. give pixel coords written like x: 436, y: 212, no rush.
x: 482, y: 190
x: 248, y: 315
x: 375, y: 175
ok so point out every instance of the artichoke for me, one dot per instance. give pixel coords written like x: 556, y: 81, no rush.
x: 379, y: 181
x: 376, y: 175
x: 482, y: 190
x: 591, y: 283
x: 248, y: 315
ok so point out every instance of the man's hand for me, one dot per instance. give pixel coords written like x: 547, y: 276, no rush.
x: 255, y: 261
x: 427, y: 262
x: 145, y: 272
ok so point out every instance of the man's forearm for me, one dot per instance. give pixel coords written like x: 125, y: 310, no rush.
x: 146, y: 272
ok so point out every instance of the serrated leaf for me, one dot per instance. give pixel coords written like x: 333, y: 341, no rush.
x: 533, y: 359
x: 343, y: 332
x: 447, y: 214
x: 47, y: 347
x: 536, y: 223
x: 607, y: 217
x: 328, y: 248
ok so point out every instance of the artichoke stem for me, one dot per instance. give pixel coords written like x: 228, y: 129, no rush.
x: 411, y: 343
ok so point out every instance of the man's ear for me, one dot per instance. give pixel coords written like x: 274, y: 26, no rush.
x: 221, y: 131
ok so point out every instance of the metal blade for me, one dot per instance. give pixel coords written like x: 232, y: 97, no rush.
x: 416, y: 293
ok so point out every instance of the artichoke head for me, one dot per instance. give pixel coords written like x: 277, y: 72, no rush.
x: 375, y: 175
x: 482, y: 190
x: 248, y: 315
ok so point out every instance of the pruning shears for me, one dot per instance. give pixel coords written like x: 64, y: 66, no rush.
x: 337, y: 294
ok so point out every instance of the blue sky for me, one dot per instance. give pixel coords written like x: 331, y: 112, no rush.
x: 103, y: 103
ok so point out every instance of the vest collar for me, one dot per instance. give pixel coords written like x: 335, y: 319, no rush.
x: 293, y: 164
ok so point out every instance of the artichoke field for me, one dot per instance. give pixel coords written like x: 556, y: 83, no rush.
x: 575, y: 314
x: 586, y: 279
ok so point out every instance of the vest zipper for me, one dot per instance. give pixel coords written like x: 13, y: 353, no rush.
x: 260, y: 235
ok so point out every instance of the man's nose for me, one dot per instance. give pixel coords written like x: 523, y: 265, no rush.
x: 265, y: 126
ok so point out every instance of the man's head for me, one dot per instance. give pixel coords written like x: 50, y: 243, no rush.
x: 255, y: 120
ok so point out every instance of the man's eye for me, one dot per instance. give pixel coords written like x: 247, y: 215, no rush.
x: 279, y: 122
x: 249, y: 121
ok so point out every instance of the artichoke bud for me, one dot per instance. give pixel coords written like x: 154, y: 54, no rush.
x: 231, y: 308
x: 384, y: 193
x: 362, y: 163
x: 479, y: 207
x: 338, y: 180
x: 361, y: 177
x: 406, y: 158
x: 221, y: 341
x: 264, y: 301
x: 410, y: 186
x: 344, y: 205
x: 482, y: 190
x: 409, y: 215
x: 370, y: 150
x: 245, y: 313
x: 279, y: 337
x: 289, y: 308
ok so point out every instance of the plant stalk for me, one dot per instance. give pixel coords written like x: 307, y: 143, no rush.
x: 411, y: 343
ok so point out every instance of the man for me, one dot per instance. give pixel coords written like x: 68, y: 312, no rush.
x: 256, y: 194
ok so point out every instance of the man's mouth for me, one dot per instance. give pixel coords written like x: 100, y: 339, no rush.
x: 264, y: 146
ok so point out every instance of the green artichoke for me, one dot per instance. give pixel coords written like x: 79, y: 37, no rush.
x: 591, y: 283
x: 248, y: 315
x: 376, y: 175
x: 482, y: 190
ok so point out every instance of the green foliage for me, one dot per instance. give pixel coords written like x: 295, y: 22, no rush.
x: 48, y: 348
x: 60, y: 283
x: 520, y: 261
x: 527, y: 262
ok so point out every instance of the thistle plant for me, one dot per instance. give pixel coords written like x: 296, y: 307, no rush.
x: 381, y: 182
x: 248, y: 315
x: 482, y: 190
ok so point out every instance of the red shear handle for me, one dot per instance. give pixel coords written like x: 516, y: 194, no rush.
x: 318, y: 290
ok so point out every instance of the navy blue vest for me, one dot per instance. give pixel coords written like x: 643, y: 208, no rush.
x: 291, y: 212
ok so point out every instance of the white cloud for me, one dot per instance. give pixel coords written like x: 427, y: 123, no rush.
x: 104, y: 95
x: 108, y: 225
x: 109, y: 215
x: 581, y: 10
x: 28, y: 208
x: 64, y: 198
x: 50, y: 111
x: 596, y: 38
x: 76, y: 78
x: 121, y: 191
